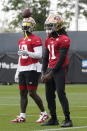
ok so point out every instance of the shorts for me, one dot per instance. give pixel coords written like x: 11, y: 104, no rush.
x: 28, y: 80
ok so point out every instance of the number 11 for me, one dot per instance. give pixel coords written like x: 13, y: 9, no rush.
x: 53, y: 54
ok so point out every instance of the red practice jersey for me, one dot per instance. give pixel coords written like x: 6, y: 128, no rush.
x: 53, y: 45
x: 29, y: 45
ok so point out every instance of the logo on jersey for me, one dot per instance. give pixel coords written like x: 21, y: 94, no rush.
x: 57, y: 39
x: 30, y: 83
x: 51, y: 42
x: 23, y: 42
x: 29, y: 39
x: 37, y: 41
x: 66, y: 40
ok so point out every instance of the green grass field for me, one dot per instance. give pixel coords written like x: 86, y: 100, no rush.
x: 10, y: 108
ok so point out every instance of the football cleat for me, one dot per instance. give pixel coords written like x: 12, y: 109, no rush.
x: 50, y: 122
x: 67, y: 123
x: 42, y: 118
x: 19, y: 120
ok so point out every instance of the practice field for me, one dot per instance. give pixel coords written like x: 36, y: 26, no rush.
x: 10, y: 108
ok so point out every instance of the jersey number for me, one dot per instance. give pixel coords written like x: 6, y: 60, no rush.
x: 51, y: 48
x: 24, y: 47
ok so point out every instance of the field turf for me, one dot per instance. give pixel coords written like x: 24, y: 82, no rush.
x: 10, y: 108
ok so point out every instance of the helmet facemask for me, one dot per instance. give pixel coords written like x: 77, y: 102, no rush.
x: 49, y: 28
x: 28, y: 25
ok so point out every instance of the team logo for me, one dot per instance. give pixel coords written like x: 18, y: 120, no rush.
x: 51, y: 42
x: 29, y: 39
x: 23, y: 42
x: 57, y: 39
x: 30, y: 83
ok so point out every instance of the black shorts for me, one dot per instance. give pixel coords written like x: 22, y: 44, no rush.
x: 28, y: 79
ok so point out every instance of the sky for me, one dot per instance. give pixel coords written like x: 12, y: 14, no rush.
x: 82, y: 23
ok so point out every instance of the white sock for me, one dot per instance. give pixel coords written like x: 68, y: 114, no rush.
x: 23, y: 115
x: 44, y: 112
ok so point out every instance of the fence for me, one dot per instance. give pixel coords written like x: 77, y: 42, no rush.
x: 77, y: 56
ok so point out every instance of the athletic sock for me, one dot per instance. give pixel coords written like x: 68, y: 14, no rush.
x: 44, y: 112
x: 23, y: 115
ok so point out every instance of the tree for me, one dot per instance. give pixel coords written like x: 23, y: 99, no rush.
x: 39, y: 11
x: 83, y: 7
x: 66, y: 8
x: 15, y: 7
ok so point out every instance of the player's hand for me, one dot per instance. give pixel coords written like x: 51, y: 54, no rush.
x: 47, y: 77
x: 43, y: 78
x: 22, y: 52
x: 17, y: 77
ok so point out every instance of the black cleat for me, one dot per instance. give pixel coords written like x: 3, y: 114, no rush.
x: 50, y: 122
x: 67, y: 123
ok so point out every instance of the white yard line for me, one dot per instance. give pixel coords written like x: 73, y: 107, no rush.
x: 59, y: 106
x: 61, y: 129
x: 9, y: 104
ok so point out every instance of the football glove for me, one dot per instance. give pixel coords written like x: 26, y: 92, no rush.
x: 30, y: 54
x: 17, y: 77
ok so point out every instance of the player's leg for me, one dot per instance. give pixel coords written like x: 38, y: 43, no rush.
x: 50, y: 97
x: 23, y: 93
x: 32, y: 85
x: 23, y: 98
x: 37, y: 99
x: 60, y: 86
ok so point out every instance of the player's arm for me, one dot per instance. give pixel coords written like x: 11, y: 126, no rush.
x: 45, y: 64
x: 45, y: 60
x: 62, y: 55
x: 17, y: 71
x: 36, y: 54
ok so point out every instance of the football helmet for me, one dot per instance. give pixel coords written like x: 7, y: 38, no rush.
x: 53, y: 23
x: 28, y: 24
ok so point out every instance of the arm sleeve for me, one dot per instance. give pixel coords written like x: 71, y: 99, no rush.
x: 45, y: 60
x: 37, y: 52
x: 62, y: 56
x: 18, y: 66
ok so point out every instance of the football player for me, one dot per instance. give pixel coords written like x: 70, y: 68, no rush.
x: 28, y: 70
x: 56, y: 59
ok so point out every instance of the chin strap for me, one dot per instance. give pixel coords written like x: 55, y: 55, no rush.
x: 26, y: 36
